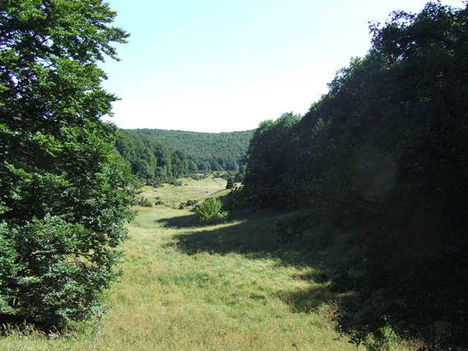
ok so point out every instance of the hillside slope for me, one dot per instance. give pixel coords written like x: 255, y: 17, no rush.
x: 205, y: 151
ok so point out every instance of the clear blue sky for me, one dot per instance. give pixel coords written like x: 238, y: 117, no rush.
x: 224, y: 65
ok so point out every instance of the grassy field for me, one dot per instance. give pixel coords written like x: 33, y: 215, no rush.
x: 229, y: 286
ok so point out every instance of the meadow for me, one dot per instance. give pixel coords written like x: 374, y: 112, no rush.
x: 228, y: 286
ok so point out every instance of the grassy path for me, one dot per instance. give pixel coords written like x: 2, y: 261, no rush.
x: 186, y: 287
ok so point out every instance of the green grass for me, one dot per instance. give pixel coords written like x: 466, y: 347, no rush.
x: 228, y: 286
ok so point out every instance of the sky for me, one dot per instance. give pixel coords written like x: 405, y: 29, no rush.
x: 226, y: 65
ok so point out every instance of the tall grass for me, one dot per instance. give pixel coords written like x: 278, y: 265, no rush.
x: 229, y: 286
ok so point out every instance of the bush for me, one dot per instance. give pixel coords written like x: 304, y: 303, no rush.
x: 175, y: 182
x: 210, y: 211
x: 144, y: 202
x: 59, y: 284
x: 155, y: 183
x: 230, y: 183
x: 199, y: 176
x: 188, y: 203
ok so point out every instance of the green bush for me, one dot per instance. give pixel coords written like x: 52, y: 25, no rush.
x: 199, y: 176
x: 175, y: 182
x: 230, y: 183
x: 144, y: 202
x: 188, y: 203
x: 210, y: 211
x: 60, y: 283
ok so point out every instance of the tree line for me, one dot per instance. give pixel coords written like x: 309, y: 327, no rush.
x: 205, y: 152
x: 149, y: 160
x: 383, y: 156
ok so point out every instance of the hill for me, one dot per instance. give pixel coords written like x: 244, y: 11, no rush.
x: 149, y: 159
x: 205, y: 151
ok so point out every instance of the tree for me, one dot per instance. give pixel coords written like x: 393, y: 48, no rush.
x: 230, y: 183
x: 270, y: 154
x: 207, y: 151
x: 64, y: 192
x: 381, y: 157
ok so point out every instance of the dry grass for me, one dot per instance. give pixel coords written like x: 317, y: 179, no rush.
x: 186, y: 287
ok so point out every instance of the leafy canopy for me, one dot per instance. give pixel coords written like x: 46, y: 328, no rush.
x: 382, y: 157
x: 64, y: 193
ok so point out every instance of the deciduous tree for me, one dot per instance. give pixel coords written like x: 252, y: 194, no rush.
x: 64, y: 192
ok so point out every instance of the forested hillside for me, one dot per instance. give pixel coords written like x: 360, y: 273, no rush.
x: 382, y: 160
x: 205, y: 151
x: 150, y: 160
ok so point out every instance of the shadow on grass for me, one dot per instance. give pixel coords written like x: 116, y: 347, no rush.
x: 187, y: 221
x: 256, y: 237
x: 10, y: 323
x: 190, y: 221
x: 301, y: 301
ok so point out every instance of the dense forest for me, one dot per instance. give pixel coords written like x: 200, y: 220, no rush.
x: 155, y: 156
x: 150, y: 160
x: 382, y: 157
x: 205, y: 151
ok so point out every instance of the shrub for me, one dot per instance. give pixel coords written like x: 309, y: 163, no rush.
x: 188, y: 203
x: 199, y: 176
x: 175, y: 182
x: 210, y: 211
x: 59, y: 284
x: 144, y: 202
x: 230, y: 183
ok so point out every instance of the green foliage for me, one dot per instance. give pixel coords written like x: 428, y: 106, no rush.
x: 210, y: 210
x: 175, y: 182
x: 151, y: 161
x: 206, y: 152
x: 382, y: 156
x: 269, y: 155
x: 158, y: 201
x: 144, y: 202
x: 60, y: 279
x: 199, y: 176
x: 236, y: 199
x: 188, y: 203
x: 234, y: 176
x: 64, y: 192
x: 230, y: 183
